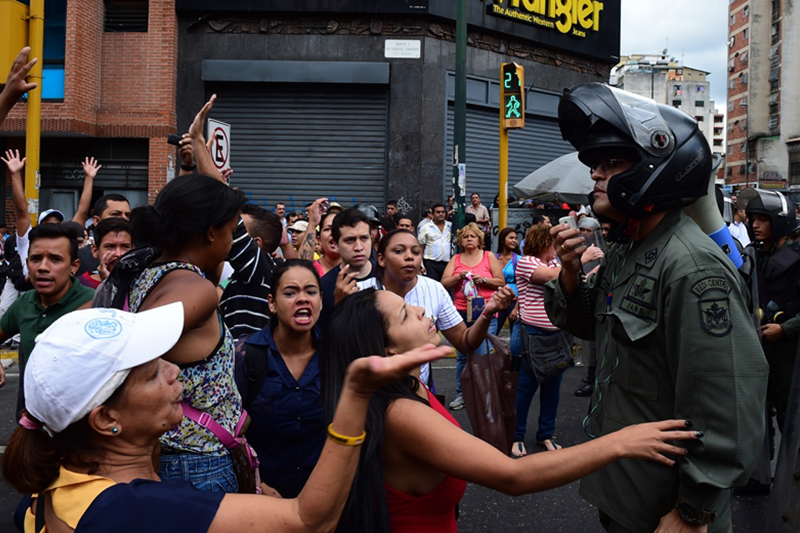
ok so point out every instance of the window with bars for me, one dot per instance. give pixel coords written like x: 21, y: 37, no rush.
x: 126, y: 16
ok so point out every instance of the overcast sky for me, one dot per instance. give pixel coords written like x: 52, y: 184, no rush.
x: 693, y: 30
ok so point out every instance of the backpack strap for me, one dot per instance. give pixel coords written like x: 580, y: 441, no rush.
x: 256, y: 360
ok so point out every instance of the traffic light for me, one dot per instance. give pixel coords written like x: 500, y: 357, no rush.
x: 512, y: 95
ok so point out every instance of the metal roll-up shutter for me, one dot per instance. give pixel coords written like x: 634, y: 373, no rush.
x: 538, y: 143
x: 293, y: 145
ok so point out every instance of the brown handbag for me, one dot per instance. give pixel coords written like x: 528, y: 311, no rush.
x: 489, y: 388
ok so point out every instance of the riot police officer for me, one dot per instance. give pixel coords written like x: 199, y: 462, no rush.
x: 772, y: 219
x: 673, y: 331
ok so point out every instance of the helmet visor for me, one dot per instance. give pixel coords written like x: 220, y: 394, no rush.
x: 636, y: 117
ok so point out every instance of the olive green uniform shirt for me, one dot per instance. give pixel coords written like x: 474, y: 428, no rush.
x: 674, y: 340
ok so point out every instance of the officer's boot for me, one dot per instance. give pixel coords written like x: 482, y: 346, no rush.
x: 587, y: 389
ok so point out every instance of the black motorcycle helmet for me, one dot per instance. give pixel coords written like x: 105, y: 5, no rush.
x: 773, y: 204
x: 673, y: 159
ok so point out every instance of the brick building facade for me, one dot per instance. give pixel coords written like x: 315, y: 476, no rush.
x: 118, y: 105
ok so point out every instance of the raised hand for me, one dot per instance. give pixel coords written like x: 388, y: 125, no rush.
x: 90, y: 167
x: 13, y: 161
x: 16, y: 85
x: 199, y: 122
x: 500, y: 300
x: 367, y: 374
x: 185, y: 150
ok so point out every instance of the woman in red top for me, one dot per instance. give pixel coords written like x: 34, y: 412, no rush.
x: 415, y: 461
x: 486, y: 273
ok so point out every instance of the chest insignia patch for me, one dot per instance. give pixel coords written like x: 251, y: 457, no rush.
x: 642, y: 290
x: 714, y: 316
x: 650, y: 256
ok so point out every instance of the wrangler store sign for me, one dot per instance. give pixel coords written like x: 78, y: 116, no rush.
x: 575, y: 17
x: 586, y: 27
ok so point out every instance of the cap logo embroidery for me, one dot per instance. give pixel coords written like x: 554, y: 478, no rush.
x: 103, y: 328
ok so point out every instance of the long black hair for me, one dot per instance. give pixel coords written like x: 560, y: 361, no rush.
x: 356, y: 329
x: 184, y: 210
x: 501, y: 241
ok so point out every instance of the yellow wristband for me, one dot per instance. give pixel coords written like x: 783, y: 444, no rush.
x: 344, y: 440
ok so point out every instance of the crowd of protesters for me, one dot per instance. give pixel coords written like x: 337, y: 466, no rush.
x: 148, y: 352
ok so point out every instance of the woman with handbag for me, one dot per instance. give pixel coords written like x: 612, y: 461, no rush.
x: 399, y: 261
x: 282, y: 396
x: 535, y: 334
x: 473, y: 275
x: 416, y: 461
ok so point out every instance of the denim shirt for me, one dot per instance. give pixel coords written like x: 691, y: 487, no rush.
x: 287, y: 425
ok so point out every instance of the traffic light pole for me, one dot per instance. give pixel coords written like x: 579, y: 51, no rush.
x: 33, y: 124
x: 460, y: 124
x: 503, y: 182
x: 512, y: 116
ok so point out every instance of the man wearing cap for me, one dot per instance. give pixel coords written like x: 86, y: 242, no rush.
x: 295, y: 231
x: 668, y: 312
x: 52, y: 262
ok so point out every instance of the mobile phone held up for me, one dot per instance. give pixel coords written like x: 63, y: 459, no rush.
x: 173, y: 139
x: 571, y: 221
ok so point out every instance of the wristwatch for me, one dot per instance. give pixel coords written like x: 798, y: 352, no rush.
x: 189, y: 168
x: 694, y: 516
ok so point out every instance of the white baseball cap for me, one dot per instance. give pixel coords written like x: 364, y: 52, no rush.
x: 84, y: 356
x: 44, y: 214
x: 299, y: 226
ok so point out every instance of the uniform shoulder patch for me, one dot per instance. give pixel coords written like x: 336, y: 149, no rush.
x: 714, y: 316
x: 711, y: 283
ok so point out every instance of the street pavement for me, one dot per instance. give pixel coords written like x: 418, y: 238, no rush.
x: 482, y: 510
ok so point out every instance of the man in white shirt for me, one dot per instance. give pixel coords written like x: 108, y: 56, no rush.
x: 435, y: 240
x: 738, y: 227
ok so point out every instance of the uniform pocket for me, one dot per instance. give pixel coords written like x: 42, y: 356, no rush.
x: 635, y: 359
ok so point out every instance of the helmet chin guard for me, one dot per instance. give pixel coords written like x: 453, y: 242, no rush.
x: 673, y: 159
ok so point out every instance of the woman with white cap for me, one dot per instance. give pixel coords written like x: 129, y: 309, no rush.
x: 99, y: 396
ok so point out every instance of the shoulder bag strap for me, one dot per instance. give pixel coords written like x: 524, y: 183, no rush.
x: 207, y: 421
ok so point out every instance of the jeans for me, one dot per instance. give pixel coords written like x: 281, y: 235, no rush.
x: 461, y: 358
x: 526, y: 388
x: 210, y: 473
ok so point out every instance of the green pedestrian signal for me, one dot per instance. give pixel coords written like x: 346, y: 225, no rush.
x: 512, y: 95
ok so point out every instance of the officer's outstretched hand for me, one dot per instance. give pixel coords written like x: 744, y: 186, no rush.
x: 569, y: 248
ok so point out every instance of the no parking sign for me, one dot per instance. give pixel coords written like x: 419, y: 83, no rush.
x: 220, y: 134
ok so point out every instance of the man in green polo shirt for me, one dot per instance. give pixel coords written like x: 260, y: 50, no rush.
x: 52, y: 263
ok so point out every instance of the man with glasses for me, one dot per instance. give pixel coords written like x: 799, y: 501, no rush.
x: 667, y: 311
x: 434, y: 238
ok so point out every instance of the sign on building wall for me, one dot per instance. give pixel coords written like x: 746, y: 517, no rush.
x: 220, y: 135
x: 574, y: 17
